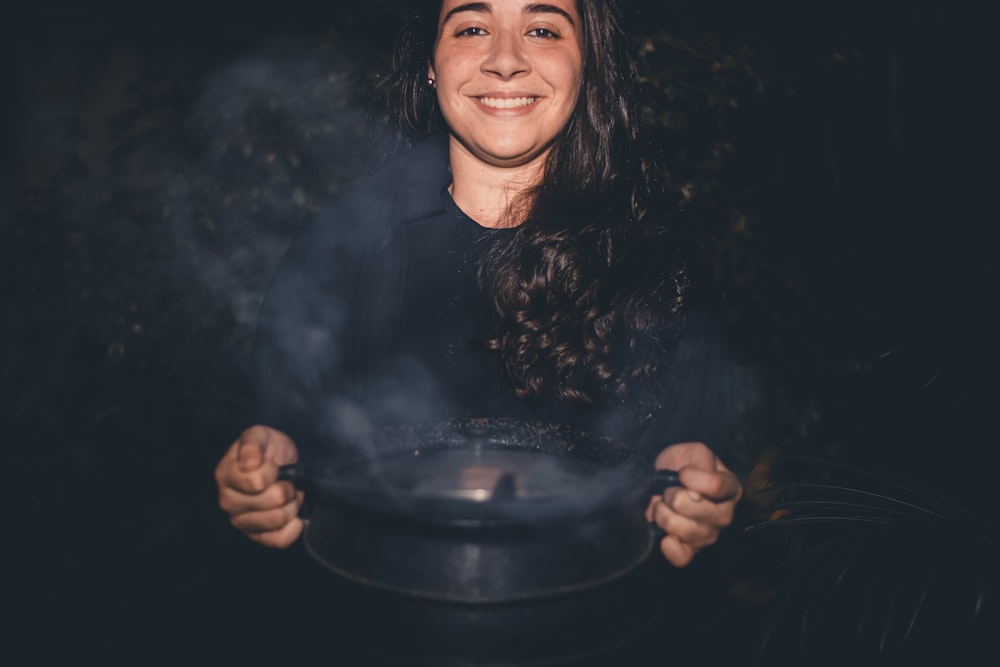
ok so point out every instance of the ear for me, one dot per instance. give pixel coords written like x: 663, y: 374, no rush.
x: 431, y: 74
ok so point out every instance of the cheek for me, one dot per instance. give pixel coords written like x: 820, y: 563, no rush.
x: 448, y: 81
x: 573, y: 85
x: 567, y: 73
x: 578, y: 74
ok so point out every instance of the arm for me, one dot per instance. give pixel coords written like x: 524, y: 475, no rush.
x: 265, y: 509
x: 694, y: 514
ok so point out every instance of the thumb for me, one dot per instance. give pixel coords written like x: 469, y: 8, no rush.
x: 250, y: 456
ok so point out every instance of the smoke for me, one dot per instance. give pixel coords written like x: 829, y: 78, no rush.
x: 279, y: 136
x: 276, y: 136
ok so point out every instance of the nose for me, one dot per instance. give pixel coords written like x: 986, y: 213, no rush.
x: 506, y: 58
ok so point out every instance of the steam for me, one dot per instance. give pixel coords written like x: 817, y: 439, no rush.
x: 408, y: 394
x: 277, y: 135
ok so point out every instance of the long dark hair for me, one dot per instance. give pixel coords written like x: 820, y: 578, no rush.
x: 590, y: 290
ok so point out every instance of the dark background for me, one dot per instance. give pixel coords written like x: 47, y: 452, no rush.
x: 156, y: 160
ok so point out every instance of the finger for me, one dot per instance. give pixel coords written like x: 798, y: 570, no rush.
x: 651, y: 505
x: 275, y: 446
x: 281, y: 538
x: 250, y: 454
x: 267, y: 520
x: 254, y: 482
x: 273, y: 497
x: 227, y: 466
x: 682, y: 454
x: 716, y: 485
x: 259, y: 444
x: 678, y: 553
x: 692, y: 533
x: 698, y: 508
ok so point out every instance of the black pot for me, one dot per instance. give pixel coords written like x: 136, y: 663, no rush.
x: 481, y: 511
x: 620, y: 622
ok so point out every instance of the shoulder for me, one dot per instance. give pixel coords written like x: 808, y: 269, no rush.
x: 406, y: 187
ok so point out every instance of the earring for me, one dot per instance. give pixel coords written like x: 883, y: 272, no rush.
x: 430, y: 82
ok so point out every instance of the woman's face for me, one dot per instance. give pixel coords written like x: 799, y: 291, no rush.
x: 507, y: 73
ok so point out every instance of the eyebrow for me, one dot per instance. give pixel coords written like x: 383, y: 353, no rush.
x: 487, y: 8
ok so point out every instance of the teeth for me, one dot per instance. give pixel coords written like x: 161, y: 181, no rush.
x: 507, y: 103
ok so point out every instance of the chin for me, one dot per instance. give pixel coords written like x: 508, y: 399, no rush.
x: 510, y: 156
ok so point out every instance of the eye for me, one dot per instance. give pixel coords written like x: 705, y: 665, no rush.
x: 473, y: 31
x: 544, y: 33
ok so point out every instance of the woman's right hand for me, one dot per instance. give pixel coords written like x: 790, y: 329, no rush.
x: 264, y: 508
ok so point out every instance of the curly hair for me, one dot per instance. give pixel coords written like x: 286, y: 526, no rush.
x: 590, y: 291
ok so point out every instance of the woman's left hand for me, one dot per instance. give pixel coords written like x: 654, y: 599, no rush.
x: 694, y: 514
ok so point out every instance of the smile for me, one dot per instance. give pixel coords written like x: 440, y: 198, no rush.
x: 507, y: 103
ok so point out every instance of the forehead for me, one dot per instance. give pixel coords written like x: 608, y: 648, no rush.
x: 566, y: 8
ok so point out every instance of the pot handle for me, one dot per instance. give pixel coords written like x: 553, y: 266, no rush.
x: 292, y: 472
x: 662, y: 480
x: 297, y: 475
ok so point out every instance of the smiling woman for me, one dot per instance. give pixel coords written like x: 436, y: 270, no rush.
x: 508, y: 77
x: 517, y: 263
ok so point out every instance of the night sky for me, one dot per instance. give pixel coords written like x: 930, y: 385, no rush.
x: 861, y: 279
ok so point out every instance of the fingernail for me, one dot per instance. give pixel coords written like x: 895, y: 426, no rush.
x: 245, y: 462
x: 694, y: 495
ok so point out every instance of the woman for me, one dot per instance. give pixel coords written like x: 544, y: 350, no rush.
x: 517, y: 268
